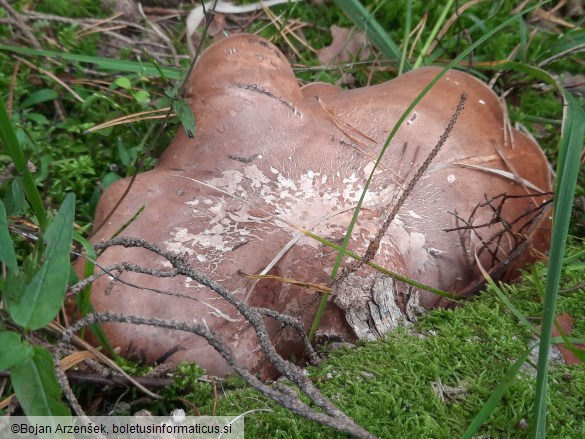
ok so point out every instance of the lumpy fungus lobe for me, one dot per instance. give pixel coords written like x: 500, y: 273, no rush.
x: 270, y: 157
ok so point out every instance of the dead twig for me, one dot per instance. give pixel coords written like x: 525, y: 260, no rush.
x: 19, y: 22
x: 96, y: 379
x: 285, y: 396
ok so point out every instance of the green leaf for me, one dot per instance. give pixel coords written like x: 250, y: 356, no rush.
x: 14, y: 200
x: 34, y: 304
x: 13, y: 351
x: 184, y: 113
x: 171, y: 92
x: 7, y: 255
x: 142, y: 97
x: 125, y: 157
x: 41, y: 119
x: 123, y: 82
x: 43, y: 95
x: 36, y: 386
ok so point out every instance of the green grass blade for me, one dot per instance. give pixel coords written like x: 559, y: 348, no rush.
x: 407, y: 27
x: 100, y: 63
x: 494, y: 399
x: 574, y: 257
x: 88, y: 269
x: 367, y: 23
x: 523, y: 39
x: 10, y: 141
x: 518, y: 67
x: 433, y: 34
x: 569, y: 156
x: 504, y: 299
x: 83, y: 299
x: 573, y: 134
x: 568, y: 44
x: 381, y: 269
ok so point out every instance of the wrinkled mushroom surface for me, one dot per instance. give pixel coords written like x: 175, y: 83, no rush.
x: 269, y: 155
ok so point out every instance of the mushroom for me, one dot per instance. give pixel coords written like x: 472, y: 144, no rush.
x: 270, y: 157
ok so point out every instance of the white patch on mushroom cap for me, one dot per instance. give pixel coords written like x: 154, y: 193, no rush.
x: 255, y: 176
x: 368, y: 169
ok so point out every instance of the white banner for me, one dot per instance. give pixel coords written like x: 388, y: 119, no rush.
x: 122, y: 427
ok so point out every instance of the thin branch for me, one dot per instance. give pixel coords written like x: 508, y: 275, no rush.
x: 286, y: 368
x: 287, y: 398
x: 20, y: 24
x: 96, y: 379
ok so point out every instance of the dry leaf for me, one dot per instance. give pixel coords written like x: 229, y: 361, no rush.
x: 347, y: 45
x: 566, y: 324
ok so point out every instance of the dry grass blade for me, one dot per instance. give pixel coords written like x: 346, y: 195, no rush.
x: 52, y: 76
x: 6, y: 401
x: 157, y: 30
x: 10, y: 100
x: 95, y: 27
x: 136, y: 117
x: 283, y: 30
x: 509, y: 164
x: 75, y: 358
x: 309, y: 285
x: 509, y: 175
x: 549, y: 16
x: 341, y: 124
x: 417, y: 32
x: 288, y: 246
x: 102, y: 358
x: 20, y: 23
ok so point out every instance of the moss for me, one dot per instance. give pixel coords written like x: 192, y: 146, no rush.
x: 392, y: 387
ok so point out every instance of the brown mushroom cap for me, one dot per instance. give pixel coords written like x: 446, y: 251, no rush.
x: 269, y: 156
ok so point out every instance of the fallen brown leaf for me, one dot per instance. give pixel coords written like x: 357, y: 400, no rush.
x: 347, y: 45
